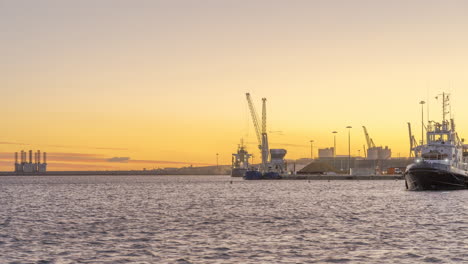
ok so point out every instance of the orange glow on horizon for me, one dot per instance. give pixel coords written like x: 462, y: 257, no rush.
x: 164, y: 83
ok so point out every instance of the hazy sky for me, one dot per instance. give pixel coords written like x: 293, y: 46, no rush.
x: 160, y: 81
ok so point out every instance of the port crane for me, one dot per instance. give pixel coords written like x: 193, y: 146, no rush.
x: 413, y: 142
x: 262, y: 135
x: 369, y: 140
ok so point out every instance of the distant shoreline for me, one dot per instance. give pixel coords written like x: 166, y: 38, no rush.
x: 105, y: 173
x: 152, y: 173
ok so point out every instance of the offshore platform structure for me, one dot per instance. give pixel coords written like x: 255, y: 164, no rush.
x: 276, y: 163
x: 22, y: 166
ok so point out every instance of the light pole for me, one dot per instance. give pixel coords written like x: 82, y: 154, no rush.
x: 422, y: 121
x: 312, y: 149
x: 334, y: 149
x: 217, y: 163
x: 349, y: 149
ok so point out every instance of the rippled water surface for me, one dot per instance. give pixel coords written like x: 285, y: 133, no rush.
x: 208, y: 219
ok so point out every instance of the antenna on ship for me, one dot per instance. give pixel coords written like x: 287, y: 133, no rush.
x: 445, y: 108
x: 446, y: 105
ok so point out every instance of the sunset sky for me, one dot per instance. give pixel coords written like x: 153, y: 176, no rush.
x: 163, y: 83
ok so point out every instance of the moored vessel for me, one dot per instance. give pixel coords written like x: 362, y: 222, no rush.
x: 441, y: 163
x: 240, y: 161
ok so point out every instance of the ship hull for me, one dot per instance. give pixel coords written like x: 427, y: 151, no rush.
x: 238, y: 172
x: 420, y: 178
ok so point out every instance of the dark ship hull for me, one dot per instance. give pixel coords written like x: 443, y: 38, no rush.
x: 425, y: 176
x: 256, y: 175
x: 238, y: 172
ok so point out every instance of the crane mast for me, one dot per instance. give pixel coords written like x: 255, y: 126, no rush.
x: 265, y: 147
x: 262, y: 136
x: 263, y: 115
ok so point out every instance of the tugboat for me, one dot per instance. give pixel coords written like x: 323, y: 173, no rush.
x: 240, y: 161
x: 441, y: 163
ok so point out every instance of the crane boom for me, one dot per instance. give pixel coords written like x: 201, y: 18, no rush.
x: 255, y: 120
x: 410, y: 138
x: 370, y: 142
x: 413, y: 142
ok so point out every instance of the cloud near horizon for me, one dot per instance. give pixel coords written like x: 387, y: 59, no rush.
x: 12, y: 143
x: 281, y: 144
x: 119, y: 159
x: 61, y: 146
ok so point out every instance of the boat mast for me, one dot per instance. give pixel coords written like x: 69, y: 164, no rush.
x: 445, y: 107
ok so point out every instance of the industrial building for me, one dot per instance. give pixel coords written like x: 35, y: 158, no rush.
x: 358, y: 165
x: 377, y: 160
x: 374, y: 152
x: 22, y: 166
x: 326, y: 153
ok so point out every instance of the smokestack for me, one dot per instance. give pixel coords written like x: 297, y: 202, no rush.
x: 39, y: 156
x: 16, y: 157
x: 45, y: 158
x: 22, y: 156
x: 35, y: 158
x: 30, y: 156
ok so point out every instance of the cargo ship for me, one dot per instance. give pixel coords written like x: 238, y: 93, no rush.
x: 240, y: 161
x: 441, y: 163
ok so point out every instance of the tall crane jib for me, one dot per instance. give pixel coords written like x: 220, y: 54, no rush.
x: 369, y: 141
x: 254, y: 120
x: 262, y: 136
x: 411, y: 138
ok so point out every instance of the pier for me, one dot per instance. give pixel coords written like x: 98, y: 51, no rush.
x: 343, y: 177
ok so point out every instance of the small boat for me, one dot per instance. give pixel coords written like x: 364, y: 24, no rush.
x: 441, y: 163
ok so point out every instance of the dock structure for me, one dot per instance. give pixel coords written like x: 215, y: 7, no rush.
x: 342, y: 177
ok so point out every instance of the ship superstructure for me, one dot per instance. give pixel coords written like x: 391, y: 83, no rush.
x: 441, y: 163
x: 240, y: 161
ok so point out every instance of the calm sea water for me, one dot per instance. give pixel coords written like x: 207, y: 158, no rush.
x: 208, y: 219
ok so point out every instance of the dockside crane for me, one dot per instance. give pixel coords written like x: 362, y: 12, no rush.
x: 265, y: 147
x: 369, y: 141
x: 262, y: 136
x: 253, y: 113
x: 413, y: 142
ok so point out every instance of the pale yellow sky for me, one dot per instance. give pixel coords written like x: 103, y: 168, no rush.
x: 166, y: 80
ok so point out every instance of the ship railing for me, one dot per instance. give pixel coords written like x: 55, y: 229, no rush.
x: 438, y: 165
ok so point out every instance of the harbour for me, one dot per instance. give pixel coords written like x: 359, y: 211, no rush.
x: 159, y: 219
x: 233, y: 132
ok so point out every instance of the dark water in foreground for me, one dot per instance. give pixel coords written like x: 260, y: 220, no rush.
x: 193, y: 219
